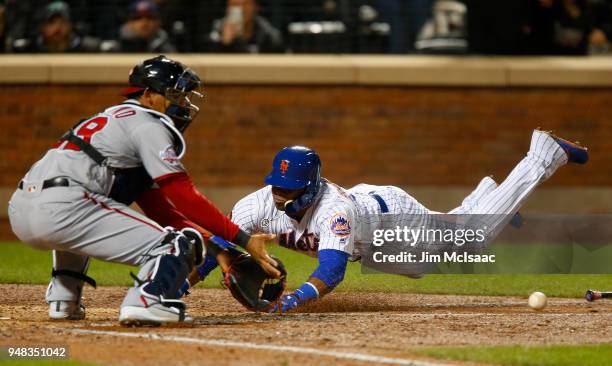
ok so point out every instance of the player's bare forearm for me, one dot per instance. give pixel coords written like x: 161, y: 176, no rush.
x: 194, y: 277
x: 320, y: 285
x: 257, y: 249
x: 223, y: 258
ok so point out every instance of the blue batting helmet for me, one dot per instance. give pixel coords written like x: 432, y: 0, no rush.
x: 296, y: 167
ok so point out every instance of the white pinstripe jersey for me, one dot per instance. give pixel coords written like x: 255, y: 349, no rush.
x: 338, y: 219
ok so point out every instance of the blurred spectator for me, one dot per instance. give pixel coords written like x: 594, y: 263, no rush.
x: 564, y: 27
x: 142, y: 32
x: 599, y: 39
x: 16, y: 20
x: 446, y: 31
x: 508, y: 27
x: 323, y: 26
x: 243, y: 30
x: 2, y: 29
x: 406, y: 18
x: 572, y: 26
x: 180, y: 19
x: 55, y: 34
x: 370, y: 31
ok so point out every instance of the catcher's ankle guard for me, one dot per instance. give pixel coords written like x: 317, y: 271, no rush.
x: 78, y: 275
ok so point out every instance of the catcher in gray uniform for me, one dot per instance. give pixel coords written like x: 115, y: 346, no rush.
x: 74, y: 200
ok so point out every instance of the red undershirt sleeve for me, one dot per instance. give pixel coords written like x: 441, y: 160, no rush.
x: 157, y: 207
x: 179, y: 189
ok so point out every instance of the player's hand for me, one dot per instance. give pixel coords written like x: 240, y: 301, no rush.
x: 257, y: 248
x: 285, y: 303
x: 225, y: 260
x: 229, y: 33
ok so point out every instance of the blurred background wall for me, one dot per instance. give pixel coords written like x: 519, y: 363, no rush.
x: 433, y: 126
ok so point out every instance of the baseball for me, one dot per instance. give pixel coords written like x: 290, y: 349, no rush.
x: 537, y: 300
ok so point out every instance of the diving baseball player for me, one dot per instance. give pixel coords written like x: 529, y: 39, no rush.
x: 316, y: 217
x: 74, y: 200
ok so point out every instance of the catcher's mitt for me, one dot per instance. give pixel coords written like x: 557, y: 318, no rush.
x: 252, y: 286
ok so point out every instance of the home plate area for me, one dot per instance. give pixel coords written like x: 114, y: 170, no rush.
x: 345, y: 328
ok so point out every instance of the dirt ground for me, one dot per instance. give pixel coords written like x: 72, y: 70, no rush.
x: 354, y: 325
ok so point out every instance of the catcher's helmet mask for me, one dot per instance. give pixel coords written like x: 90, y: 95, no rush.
x: 176, y: 82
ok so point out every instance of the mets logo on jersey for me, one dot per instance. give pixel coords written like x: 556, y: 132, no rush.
x: 340, y: 225
x: 169, y: 156
x: 284, y: 166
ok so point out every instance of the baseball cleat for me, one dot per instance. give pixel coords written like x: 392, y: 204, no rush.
x: 575, y: 153
x: 152, y: 316
x: 517, y: 220
x: 66, y: 310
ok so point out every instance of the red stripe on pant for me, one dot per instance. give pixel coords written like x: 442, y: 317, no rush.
x: 106, y: 207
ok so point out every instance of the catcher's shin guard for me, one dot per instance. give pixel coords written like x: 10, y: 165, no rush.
x: 159, y: 280
x: 171, y: 269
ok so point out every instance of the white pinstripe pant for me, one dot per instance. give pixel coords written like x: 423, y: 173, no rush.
x: 489, y: 206
x: 501, y: 202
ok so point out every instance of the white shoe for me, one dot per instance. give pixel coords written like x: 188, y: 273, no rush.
x: 66, y: 310
x: 153, y: 315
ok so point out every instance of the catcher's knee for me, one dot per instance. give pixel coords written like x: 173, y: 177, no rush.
x: 197, y: 245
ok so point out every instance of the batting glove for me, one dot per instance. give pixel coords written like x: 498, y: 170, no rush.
x: 285, y: 303
x: 302, y: 295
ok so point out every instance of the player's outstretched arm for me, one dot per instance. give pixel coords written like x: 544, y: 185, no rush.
x: 179, y: 189
x: 328, y: 275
